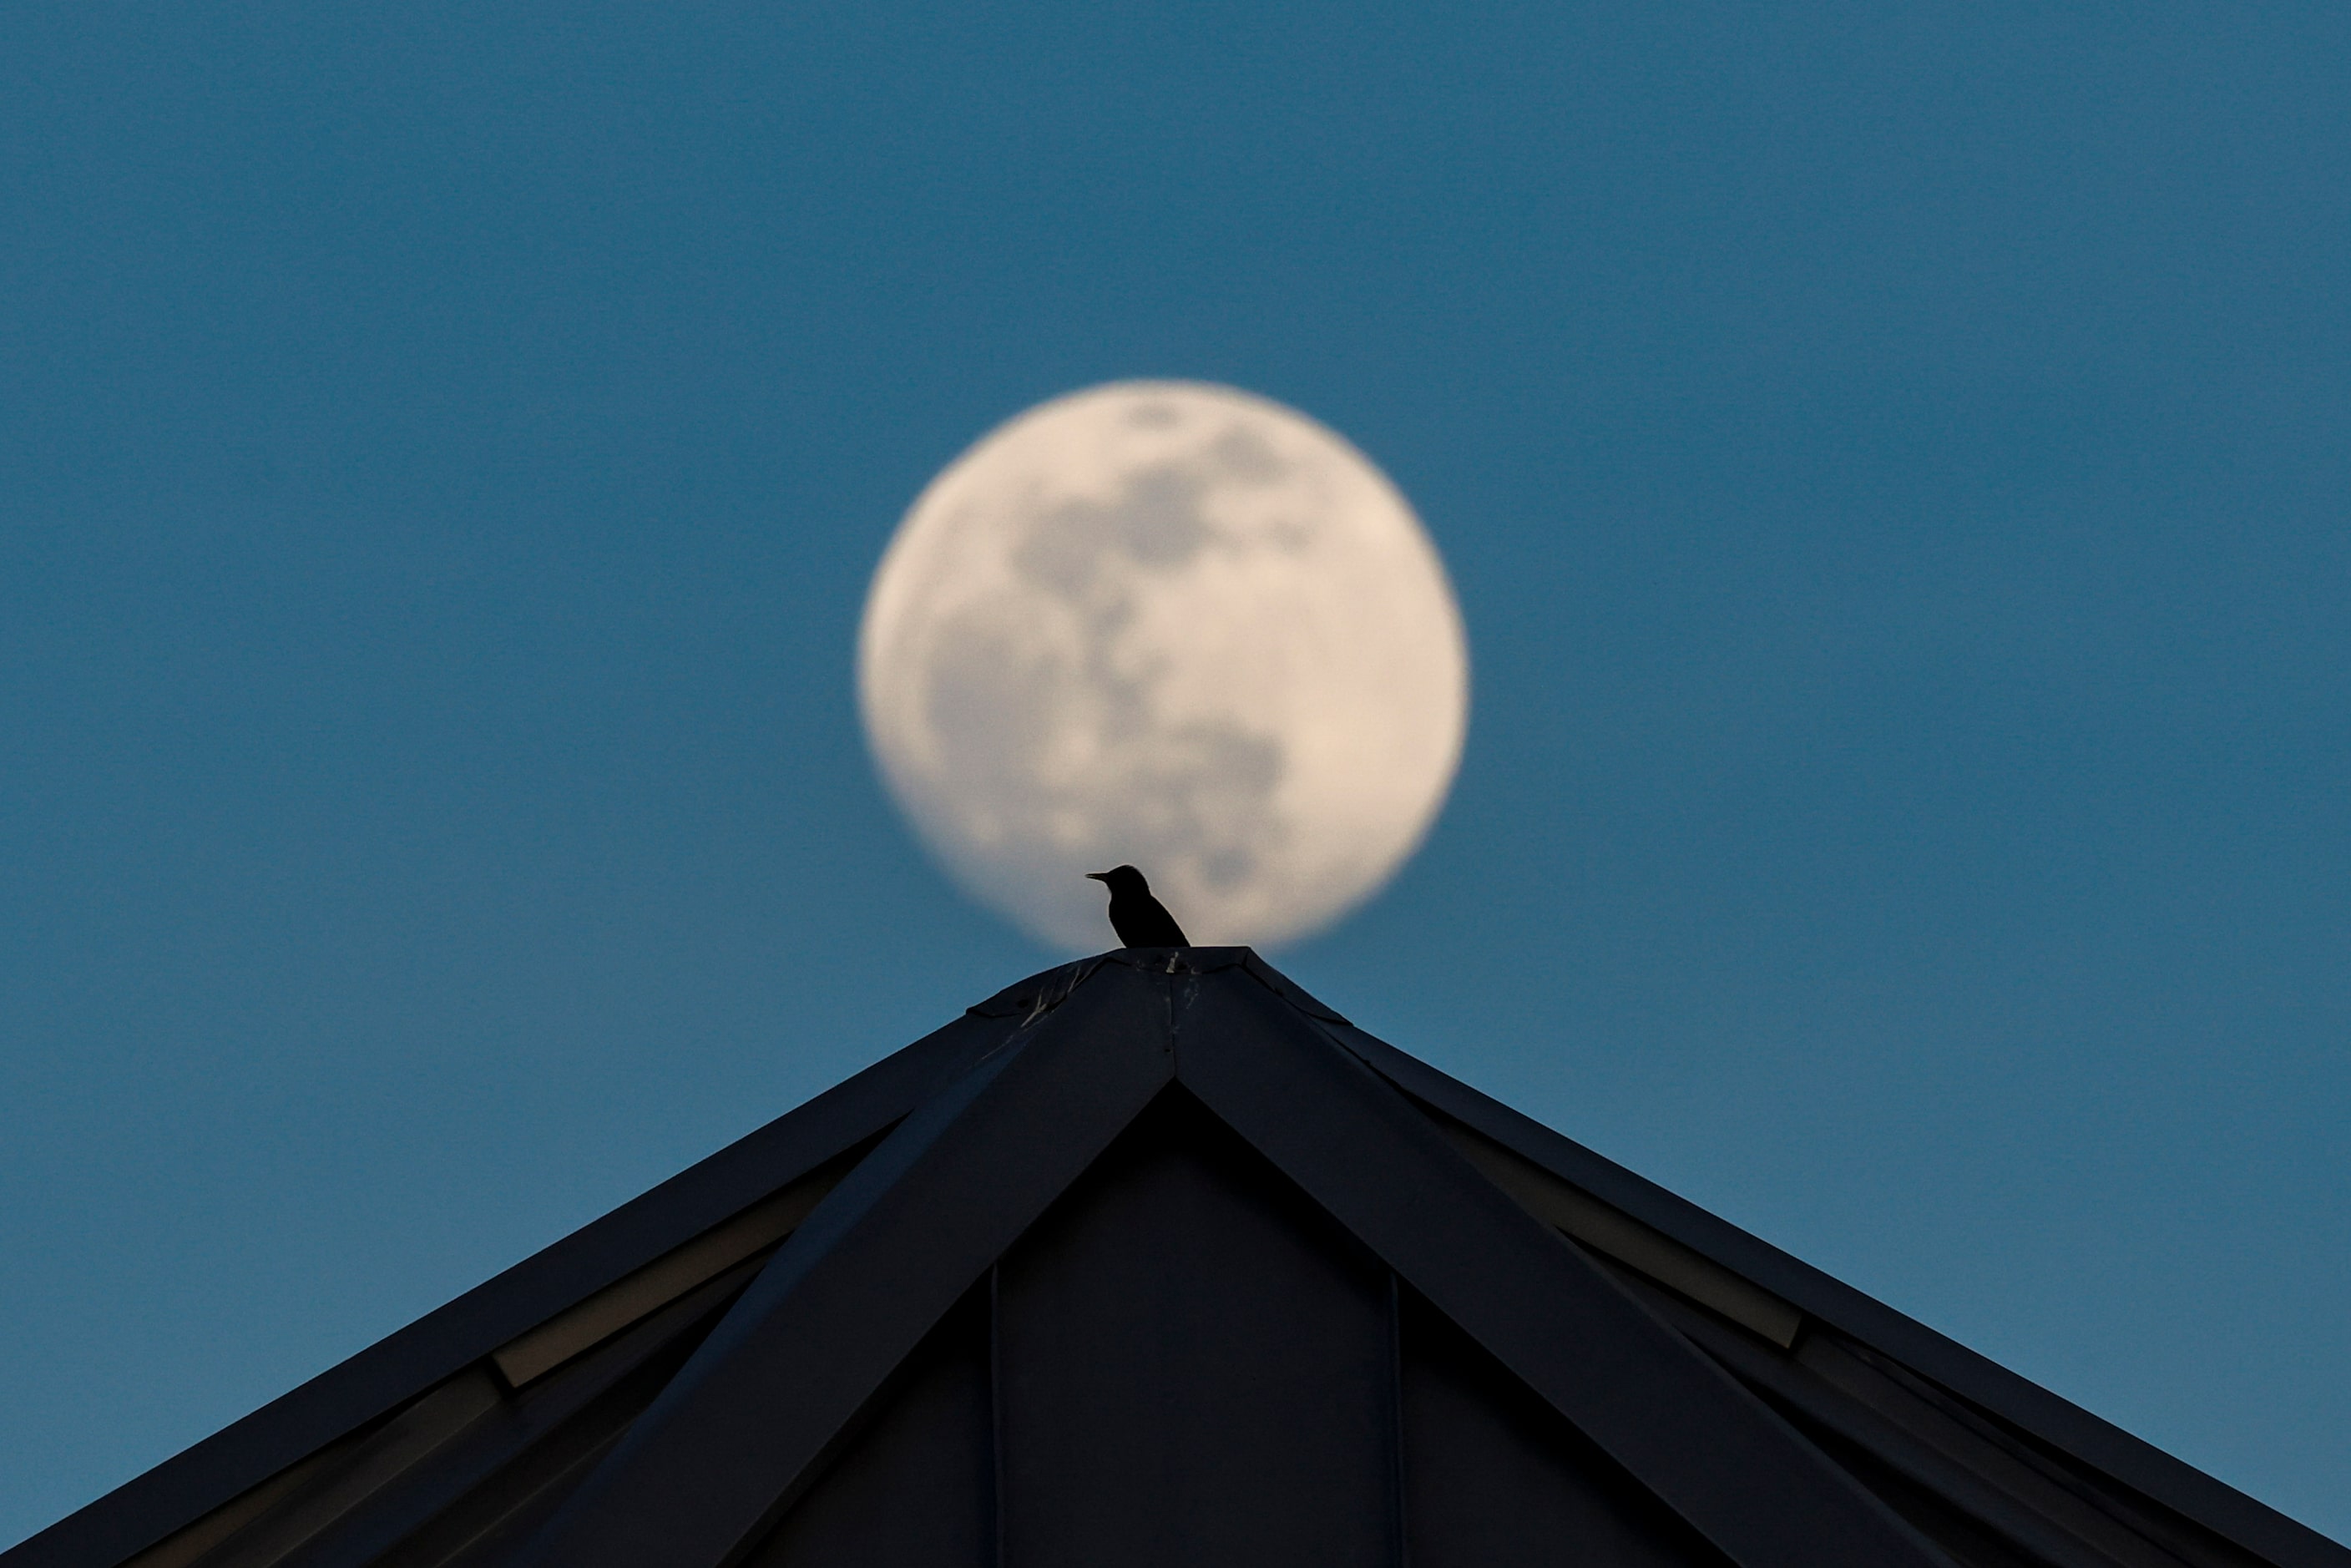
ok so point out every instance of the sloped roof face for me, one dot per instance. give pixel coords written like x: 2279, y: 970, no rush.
x: 1153, y: 1260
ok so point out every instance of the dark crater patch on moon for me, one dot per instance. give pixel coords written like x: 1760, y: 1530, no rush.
x: 1202, y: 790
x: 1155, y: 522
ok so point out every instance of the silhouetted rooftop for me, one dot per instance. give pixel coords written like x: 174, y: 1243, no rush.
x: 1154, y: 1259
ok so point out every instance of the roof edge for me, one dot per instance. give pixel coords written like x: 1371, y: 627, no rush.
x: 2163, y: 1478
x: 216, y: 1470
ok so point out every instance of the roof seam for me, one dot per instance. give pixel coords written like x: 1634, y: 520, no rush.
x: 588, y: 1322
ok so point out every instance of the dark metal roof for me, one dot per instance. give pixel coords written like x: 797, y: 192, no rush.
x: 1155, y: 1259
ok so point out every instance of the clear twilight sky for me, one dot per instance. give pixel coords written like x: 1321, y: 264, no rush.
x: 1895, y: 461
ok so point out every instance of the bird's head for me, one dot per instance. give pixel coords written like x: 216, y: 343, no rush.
x: 1120, y: 879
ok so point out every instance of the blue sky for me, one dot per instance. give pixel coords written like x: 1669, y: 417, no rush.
x: 1895, y: 461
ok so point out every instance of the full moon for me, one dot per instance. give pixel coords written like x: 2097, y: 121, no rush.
x: 1172, y: 625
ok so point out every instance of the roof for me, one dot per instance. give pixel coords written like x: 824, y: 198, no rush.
x: 1153, y: 1257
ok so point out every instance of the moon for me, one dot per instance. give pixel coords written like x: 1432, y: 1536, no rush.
x: 1173, y: 624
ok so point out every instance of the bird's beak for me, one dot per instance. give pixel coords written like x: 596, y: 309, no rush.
x: 1097, y: 876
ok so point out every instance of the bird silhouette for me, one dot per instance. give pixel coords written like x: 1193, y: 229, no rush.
x: 1140, y: 920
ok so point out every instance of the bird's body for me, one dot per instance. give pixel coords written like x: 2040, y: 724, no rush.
x: 1140, y: 920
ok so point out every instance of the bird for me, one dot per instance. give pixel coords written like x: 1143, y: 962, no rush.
x: 1140, y: 920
